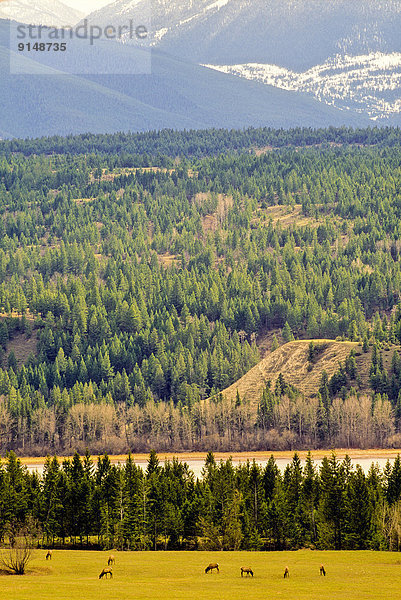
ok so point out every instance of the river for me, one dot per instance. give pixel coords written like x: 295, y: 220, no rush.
x: 196, y: 461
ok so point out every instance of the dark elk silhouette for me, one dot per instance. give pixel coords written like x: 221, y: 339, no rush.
x: 211, y: 567
x: 286, y: 572
x: 322, y: 571
x: 105, y: 572
x: 111, y: 560
x: 49, y: 554
x: 247, y: 571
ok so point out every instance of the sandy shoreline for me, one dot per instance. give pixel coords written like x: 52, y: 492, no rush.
x: 237, y: 456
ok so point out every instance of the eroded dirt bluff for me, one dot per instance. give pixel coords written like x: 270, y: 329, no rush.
x: 292, y: 361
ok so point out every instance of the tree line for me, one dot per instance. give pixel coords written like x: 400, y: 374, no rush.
x: 77, y: 503
x: 144, y: 148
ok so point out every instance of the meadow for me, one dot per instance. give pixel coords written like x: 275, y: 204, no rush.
x: 73, y: 575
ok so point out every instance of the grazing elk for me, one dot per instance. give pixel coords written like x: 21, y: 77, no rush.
x: 286, y: 572
x: 322, y: 570
x: 49, y: 554
x: 111, y: 560
x: 247, y: 571
x: 211, y: 567
x: 106, y: 571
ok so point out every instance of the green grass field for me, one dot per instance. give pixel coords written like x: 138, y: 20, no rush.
x: 73, y: 575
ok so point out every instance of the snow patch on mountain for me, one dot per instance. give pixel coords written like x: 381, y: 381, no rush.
x: 218, y: 4
x: 126, y: 7
x: 210, y: 7
x: 369, y: 83
x: 158, y: 35
x: 214, y: 6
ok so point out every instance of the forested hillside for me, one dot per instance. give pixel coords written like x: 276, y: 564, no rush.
x: 135, y: 287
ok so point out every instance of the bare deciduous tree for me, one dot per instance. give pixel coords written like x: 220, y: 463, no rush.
x: 23, y: 540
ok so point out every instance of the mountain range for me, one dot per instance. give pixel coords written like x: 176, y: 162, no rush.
x: 296, y: 34
x: 221, y: 63
x: 178, y: 94
x: 344, y: 54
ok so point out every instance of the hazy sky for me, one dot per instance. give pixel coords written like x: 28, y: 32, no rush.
x: 87, y: 6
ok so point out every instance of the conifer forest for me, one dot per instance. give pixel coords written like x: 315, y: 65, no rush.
x: 141, y: 275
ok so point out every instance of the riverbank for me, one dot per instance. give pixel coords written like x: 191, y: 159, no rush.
x: 353, y: 453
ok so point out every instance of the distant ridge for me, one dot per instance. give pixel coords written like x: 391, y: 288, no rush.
x: 177, y: 95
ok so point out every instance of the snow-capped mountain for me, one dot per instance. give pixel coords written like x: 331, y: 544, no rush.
x: 168, y: 14
x: 111, y: 13
x: 169, y: 17
x: 177, y: 94
x: 279, y: 63
x: 369, y: 84
x: 39, y: 12
x: 345, y: 53
x: 295, y: 34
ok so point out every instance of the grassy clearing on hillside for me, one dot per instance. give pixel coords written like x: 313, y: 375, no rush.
x: 23, y: 347
x: 288, y: 216
x: 73, y: 575
x: 292, y: 361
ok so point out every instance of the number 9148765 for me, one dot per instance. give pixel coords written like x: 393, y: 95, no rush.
x: 42, y: 47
